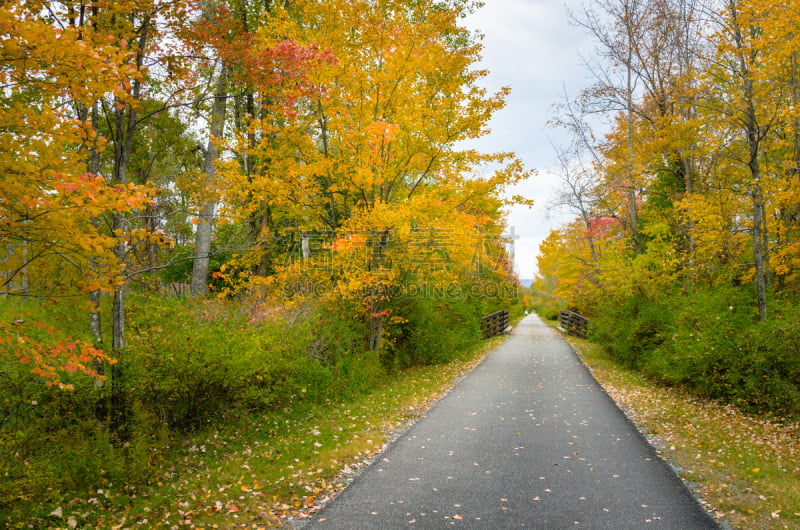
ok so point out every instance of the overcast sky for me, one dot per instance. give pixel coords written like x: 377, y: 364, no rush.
x: 531, y: 47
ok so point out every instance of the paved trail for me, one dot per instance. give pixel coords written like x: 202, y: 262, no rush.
x: 528, y: 439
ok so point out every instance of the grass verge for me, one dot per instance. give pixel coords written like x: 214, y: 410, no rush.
x: 746, y: 467
x: 261, y: 471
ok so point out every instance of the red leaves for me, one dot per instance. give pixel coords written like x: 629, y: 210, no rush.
x: 50, y: 360
x: 281, y: 69
x: 601, y: 227
x: 265, y: 60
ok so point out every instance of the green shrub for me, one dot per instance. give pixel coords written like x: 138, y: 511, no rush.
x: 549, y: 312
x: 188, y: 362
x: 696, y: 353
x: 58, y: 444
x: 769, y: 367
x: 434, y: 331
x: 335, y: 341
x: 633, y: 329
x: 713, y: 344
x: 516, y: 311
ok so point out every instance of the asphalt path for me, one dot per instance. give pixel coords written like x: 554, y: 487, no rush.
x: 528, y: 439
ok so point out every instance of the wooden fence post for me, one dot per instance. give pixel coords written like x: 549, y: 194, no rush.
x: 574, y: 325
x: 494, y: 324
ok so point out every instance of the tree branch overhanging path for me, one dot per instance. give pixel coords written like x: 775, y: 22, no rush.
x: 528, y: 439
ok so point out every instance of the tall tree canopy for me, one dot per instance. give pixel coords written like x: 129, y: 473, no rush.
x: 322, y: 132
x: 706, y: 139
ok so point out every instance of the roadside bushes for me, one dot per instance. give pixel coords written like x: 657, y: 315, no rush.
x: 548, y: 312
x: 631, y: 330
x: 772, y: 366
x: 432, y: 330
x: 712, y: 344
x: 190, y: 365
x: 728, y: 354
x: 190, y: 360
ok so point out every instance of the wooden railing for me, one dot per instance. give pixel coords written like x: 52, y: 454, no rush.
x: 574, y: 324
x: 494, y: 324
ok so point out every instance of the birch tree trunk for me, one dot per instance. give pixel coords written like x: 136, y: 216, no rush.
x: 202, y: 249
x: 753, y: 131
x: 632, y: 212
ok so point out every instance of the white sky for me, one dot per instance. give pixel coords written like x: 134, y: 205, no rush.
x: 530, y: 46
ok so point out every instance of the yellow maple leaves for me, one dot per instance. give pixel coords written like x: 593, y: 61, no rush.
x: 50, y: 200
x: 370, y: 160
x: 709, y: 158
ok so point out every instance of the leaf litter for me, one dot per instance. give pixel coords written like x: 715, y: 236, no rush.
x: 268, y: 471
x: 744, y: 469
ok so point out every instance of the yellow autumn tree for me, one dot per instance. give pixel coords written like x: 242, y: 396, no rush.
x: 51, y: 194
x: 376, y: 143
x: 780, y: 45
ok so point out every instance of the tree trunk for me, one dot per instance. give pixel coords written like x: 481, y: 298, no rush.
x: 93, y: 167
x: 378, y: 244
x: 753, y: 131
x: 95, y: 320
x: 759, y: 254
x: 202, y: 250
x: 124, y: 127
x: 122, y: 146
x: 632, y: 213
